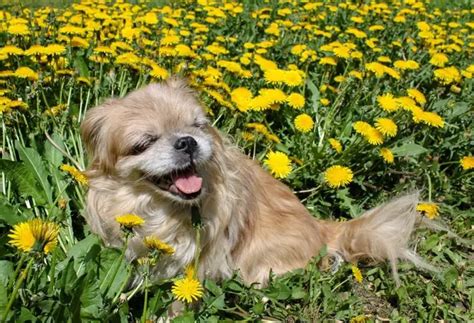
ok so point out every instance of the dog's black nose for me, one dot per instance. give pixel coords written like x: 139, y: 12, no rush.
x: 186, y: 144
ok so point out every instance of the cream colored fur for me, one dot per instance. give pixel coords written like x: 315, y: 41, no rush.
x: 252, y: 222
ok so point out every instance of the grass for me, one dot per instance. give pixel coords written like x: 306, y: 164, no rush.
x: 81, y: 279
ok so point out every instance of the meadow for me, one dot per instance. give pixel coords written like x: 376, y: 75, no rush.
x: 349, y: 103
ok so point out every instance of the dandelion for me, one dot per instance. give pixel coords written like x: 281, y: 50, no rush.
x: 187, y: 289
x: 324, y: 102
x: 386, y: 126
x: 417, y: 95
x: 336, y: 145
x: 337, y: 176
x: 467, y: 162
x: 78, y: 176
x: 406, y: 65
x: 359, y: 319
x: 361, y: 127
x: 439, y: 59
x: 154, y: 243
x: 295, y: 100
x: 129, y: 221
x: 159, y: 73
x: 376, y: 68
x: 429, y: 118
x: 387, y: 155
x: 279, y: 164
x: 356, y: 273
x: 26, y: 73
x: 328, y: 61
x: 36, y: 234
x: 387, y: 102
x: 447, y: 75
x: 431, y: 210
x: 304, y: 123
x: 241, y: 97
x: 373, y: 136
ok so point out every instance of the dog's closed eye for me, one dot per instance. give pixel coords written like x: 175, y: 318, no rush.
x: 143, y: 144
x: 200, y: 124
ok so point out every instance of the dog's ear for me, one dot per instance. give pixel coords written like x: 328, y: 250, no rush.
x: 97, y: 139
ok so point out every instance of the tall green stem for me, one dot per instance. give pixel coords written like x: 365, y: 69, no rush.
x: 19, y: 282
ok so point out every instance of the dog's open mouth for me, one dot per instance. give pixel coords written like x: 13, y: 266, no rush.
x: 185, y: 183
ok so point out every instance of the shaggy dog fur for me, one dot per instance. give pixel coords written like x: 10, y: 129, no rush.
x: 154, y: 154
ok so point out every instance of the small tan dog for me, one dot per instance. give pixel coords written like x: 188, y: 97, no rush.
x: 154, y: 154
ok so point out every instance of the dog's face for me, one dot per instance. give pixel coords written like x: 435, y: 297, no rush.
x: 157, y: 136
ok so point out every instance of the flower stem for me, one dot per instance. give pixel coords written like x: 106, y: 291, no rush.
x: 145, y: 301
x: 19, y: 282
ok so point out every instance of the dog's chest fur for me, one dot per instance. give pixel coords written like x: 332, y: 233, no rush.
x: 168, y: 221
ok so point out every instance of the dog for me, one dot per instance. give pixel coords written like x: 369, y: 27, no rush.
x: 154, y: 153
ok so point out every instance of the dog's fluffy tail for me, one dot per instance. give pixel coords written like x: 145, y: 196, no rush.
x: 382, y: 233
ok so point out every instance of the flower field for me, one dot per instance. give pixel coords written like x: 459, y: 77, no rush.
x: 349, y: 103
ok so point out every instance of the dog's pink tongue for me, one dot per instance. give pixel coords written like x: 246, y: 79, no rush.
x: 188, y: 183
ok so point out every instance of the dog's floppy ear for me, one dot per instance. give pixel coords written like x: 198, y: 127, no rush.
x: 97, y: 139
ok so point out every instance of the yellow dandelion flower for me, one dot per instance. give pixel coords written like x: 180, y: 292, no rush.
x: 356, y: 273
x: 337, y: 176
x: 439, y: 59
x: 278, y: 163
x: 447, y: 75
x: 159, y: 73
x: 431, y: 210
x: 325, y: 102
x: 467, y: 162
x: 342, y: 51
x: 247, y: 136
x: 78, y: 176
x: 26, y: 73
x: 327, y: 61
x: 187, y: 289
x: 129, y: 220
x: 241, y: 97
x: 407, y: 103
x: 18, y: 29
x: 376, y: 68
x: 406, y: 65
x: 386, y: 126
x: 356, y: 74
x: 361, y: 127
x: 35, y: 235
x: 336, y: 145
x: 393, y: 73
x: 359, y: 319
x: 387, y: 102
x: 387, y: 155
x: 373, y: 136
x: 295, y: 100
x: 429, y: 118
x: 304, y: 123
x: 417, y: 95
x: 154, y: 243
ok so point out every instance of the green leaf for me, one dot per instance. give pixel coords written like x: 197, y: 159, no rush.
x: 91, y: 300
x: 26, y: 316
x: 409, y: 149
x: 33, y: 161
x: 81, y: 66
x: 10, y: 214
x: 186, y: 317
x: 110, y: 276
x: 23, y: 179
x: 51, y: 153
x: 459, y: 109
x: 6, y: 272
